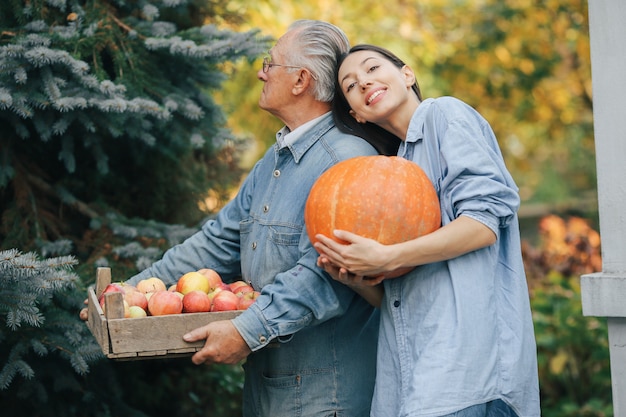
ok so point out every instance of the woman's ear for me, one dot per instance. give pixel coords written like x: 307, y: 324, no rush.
x: 356, y: 117
x: 409, y: 75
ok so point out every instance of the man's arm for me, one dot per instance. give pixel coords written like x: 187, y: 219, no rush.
x: 298, y: 298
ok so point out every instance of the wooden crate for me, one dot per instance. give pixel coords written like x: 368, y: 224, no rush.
x: 146, y: 337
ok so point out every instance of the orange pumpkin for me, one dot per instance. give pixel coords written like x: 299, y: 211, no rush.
x: 388, y: 199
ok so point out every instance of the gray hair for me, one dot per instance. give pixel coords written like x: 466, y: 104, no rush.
x: 318, y: 45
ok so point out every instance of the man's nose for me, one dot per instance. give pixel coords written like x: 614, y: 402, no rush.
x: 261, y: 75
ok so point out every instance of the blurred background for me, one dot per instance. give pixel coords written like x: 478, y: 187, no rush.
x: 523, y: 64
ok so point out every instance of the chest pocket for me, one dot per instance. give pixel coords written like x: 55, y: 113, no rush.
x: 267, y: 250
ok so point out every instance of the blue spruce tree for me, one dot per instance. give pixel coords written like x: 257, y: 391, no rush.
x: 107, y: 105
x: 109, y: 137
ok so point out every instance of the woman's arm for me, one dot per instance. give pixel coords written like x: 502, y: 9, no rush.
x: 366, y: 257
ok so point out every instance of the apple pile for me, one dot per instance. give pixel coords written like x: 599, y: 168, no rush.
x: 195, y: 292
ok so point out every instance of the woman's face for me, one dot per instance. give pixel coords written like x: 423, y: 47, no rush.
x: 374, y: 87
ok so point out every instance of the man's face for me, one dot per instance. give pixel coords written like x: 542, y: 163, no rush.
x: 276, y: 95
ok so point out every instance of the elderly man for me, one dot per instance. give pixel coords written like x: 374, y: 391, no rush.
x: 309, y: 342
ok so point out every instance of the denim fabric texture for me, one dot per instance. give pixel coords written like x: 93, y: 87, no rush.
x: 497, y: 408
x: 459, y: 333
x: 322, y: 359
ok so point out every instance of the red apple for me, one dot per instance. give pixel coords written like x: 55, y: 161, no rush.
x: 247, y: 299
x: 165, y: 302
x: 113, y: 287
x: 151, y: 284
x: 236, y: 284
x: 196, y: 302
x: 224, y: 301
x: 214, y: 278
x: 240, y: 287
x: 134, y: 297
x: 192, y: 281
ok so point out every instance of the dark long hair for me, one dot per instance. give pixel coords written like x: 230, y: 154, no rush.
x: 385, y: 142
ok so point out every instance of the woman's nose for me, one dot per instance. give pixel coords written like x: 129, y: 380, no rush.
x: 364, y: 82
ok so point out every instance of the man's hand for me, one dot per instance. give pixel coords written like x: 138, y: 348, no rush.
x: 223, y: 343
x: 369, y: 288
x: 84, y: 313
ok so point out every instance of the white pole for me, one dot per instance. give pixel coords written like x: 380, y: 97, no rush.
x: 604, y: 293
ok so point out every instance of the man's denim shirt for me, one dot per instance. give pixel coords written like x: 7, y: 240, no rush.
x: 323, y: 328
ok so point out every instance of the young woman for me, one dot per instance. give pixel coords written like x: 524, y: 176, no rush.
x: 456, y: 335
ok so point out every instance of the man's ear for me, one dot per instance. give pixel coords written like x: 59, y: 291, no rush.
x: 356, y: 117
x: 303, y: 82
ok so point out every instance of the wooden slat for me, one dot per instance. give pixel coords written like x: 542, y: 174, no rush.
x: 96, y: 322
x: 155, y: 333
x: 103, y: 278
x: 114, y: 305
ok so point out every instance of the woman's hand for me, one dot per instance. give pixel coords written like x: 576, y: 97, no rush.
x: 342, y: 275
x: 361, y: 256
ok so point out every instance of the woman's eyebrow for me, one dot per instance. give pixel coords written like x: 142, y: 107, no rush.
x: 360, y: 64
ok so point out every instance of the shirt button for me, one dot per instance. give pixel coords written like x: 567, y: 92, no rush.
x: 262, y: 339
x: 276, y: 173
x: 396, y: 303
x: 266, y: 209
x: 253, y: 245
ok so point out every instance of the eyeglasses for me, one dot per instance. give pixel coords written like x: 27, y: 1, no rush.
x: 267, y: 64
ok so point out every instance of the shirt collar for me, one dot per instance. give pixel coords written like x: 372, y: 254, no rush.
x: 286, y: 137
x: 415, y: 132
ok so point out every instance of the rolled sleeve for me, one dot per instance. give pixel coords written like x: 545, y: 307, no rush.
x: 253, y: 327
x: 486, y: 218
x: 477, y: 183
x: 298, y: 298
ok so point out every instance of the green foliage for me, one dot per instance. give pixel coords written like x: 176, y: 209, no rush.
x: 39, y: 333
x: 525, y: 65
x: 177, y: 388
x: 573, y: 352
x: 574, y: 366
x: 104, y: 104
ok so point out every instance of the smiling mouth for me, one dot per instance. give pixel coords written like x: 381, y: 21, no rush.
x: 374, y: 95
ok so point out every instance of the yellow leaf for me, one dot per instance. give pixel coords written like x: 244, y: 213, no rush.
x: 558, y: 362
